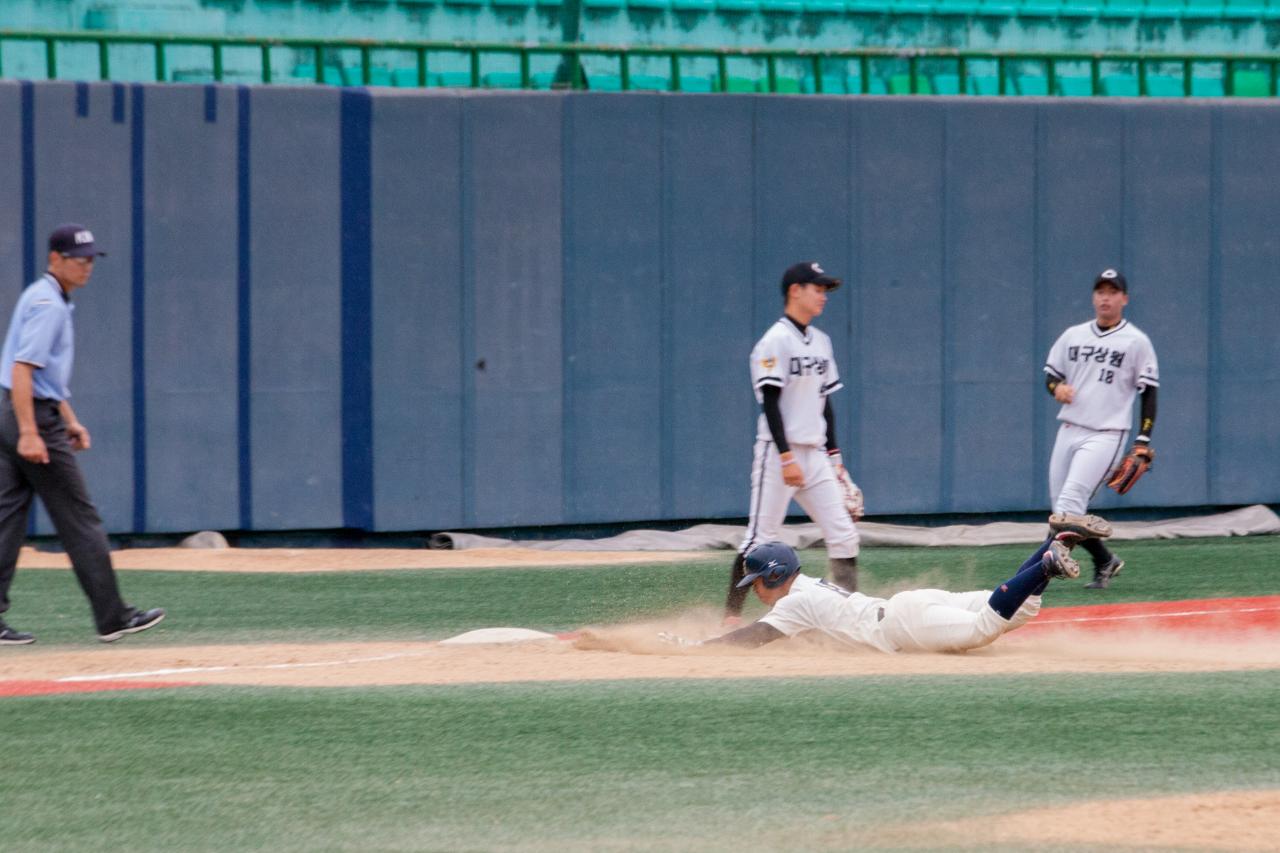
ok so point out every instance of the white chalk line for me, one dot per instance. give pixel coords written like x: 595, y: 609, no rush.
x: 1052, y: 621
x: 186, y: 670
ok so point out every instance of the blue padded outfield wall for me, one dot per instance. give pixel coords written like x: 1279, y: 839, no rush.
x: 424, y: 311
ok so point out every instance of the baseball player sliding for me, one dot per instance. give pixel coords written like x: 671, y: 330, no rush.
x: 1094, y: 370
x: 793, y: 371
x: 922, y: 620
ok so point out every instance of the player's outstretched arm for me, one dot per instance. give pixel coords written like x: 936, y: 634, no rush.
x: 754, y: 635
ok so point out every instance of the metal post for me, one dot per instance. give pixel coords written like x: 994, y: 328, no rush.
x: 817, y: 74
x: 162, y: 70
x: 722, y: 69
x: 319, y: 63
x: 624, y: 69
x: 524, y: 68
x: 366, y: 65
x: 266, y: 63
x: 422, y: 67
x: 675, y: 72
x: 104, y: 60
x: 50, y: 59
x: 217, y: 62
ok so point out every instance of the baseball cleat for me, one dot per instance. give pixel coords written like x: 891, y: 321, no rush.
x: 1102, y: 575
x: 1088, y: 526
x: 141, y: 620
x: 12, y: 637
x: 1058, y: 562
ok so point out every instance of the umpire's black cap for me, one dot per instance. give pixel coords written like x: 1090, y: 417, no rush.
x: 1113, y: 278
x: 808, y: 272
x: 74, y: 241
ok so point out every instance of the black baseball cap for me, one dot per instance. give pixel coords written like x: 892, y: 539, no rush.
x: 74, y: 241
x: 1113, y: 278
x: 808, y: 272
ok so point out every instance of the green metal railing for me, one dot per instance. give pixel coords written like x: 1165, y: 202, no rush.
x: 326, y: 61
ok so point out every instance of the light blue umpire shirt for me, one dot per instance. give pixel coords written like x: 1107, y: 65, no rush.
x: 41, y: 334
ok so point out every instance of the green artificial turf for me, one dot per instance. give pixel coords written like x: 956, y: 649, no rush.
x: 636, y: 765
x: 209, y: 607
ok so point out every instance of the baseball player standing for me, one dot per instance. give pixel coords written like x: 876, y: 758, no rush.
x: 921, y: 620
x: 793, y: 371
x: 39, y: 434
x: 1094, y: 370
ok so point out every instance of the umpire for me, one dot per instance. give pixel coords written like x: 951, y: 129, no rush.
x: 39, y: 433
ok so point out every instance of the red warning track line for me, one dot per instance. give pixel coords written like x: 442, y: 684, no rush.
x: 44, y: 688
x: 1209, y: 615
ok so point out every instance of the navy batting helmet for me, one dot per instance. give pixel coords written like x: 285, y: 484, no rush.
x: 772, y: 562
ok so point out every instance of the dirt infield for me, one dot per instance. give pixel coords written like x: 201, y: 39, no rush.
x: 1218, y: 635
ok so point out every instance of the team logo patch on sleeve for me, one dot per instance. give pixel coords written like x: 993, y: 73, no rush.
x: 768, y: 362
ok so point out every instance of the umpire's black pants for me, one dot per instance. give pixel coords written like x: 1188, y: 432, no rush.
x: 62, y: 490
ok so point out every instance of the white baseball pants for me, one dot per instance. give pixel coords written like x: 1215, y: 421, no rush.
x: 1082, y: 458
x: 934, y: 620
x: 820, y: 498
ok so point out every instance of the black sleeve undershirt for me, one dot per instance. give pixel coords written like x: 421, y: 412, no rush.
x: 1147, y: 418
x: 771, y: 396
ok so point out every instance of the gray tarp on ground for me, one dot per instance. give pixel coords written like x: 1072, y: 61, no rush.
x: 1247, y: 521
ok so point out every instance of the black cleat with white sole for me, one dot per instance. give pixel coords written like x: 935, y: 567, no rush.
x: 141, y: 620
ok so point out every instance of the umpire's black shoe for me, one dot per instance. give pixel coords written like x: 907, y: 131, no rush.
x: 1102, y: 575
x: 10, y: 637
x: 141, y: 620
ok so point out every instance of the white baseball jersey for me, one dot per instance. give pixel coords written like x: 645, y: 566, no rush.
x: 932, y: 620
x: 803, y: 365
x: 1106, y: 369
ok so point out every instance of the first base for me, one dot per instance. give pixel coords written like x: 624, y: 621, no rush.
x: 482, y: 636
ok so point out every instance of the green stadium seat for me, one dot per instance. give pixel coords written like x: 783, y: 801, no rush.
x: 781, y: 85
x: 832, y: 84
x: 824, y: 7
x: 956, y: 7
x: 1272, y: 12
x: 697, y: 83
x: 1039, y: 8
x: 543, y: 79
x: 404, y: 77
x: 647, y: 4
x: 1203, y: 9
x: 1251, y: 83
x: 333, y: 75
x: 1031, y: 84
x: 740, y: 84
x: 603, y: 4
x: 1248, y: 10
x: 1164, y: 9
x: 465, y: 2
x: 501, y: 80
x: 946, y: 83
x: 693, y: 5
x: 1073, y: 85
x: 1120, y: 85
x: 518, y: 4
x: 1125, y: 9
x: 998, y: 8
x: 1207, y: 87
x: 868, y: 7
x: 982, y: 84
x: 900, y: 84
x: 1081, y: 9
x: 450, y: 79
x: 1164, y: 86
x: 737, y: 5
x: 914, y: 7
x: 782, y: 6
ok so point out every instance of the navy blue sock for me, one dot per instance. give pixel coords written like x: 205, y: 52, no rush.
x: 1029, y: 581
